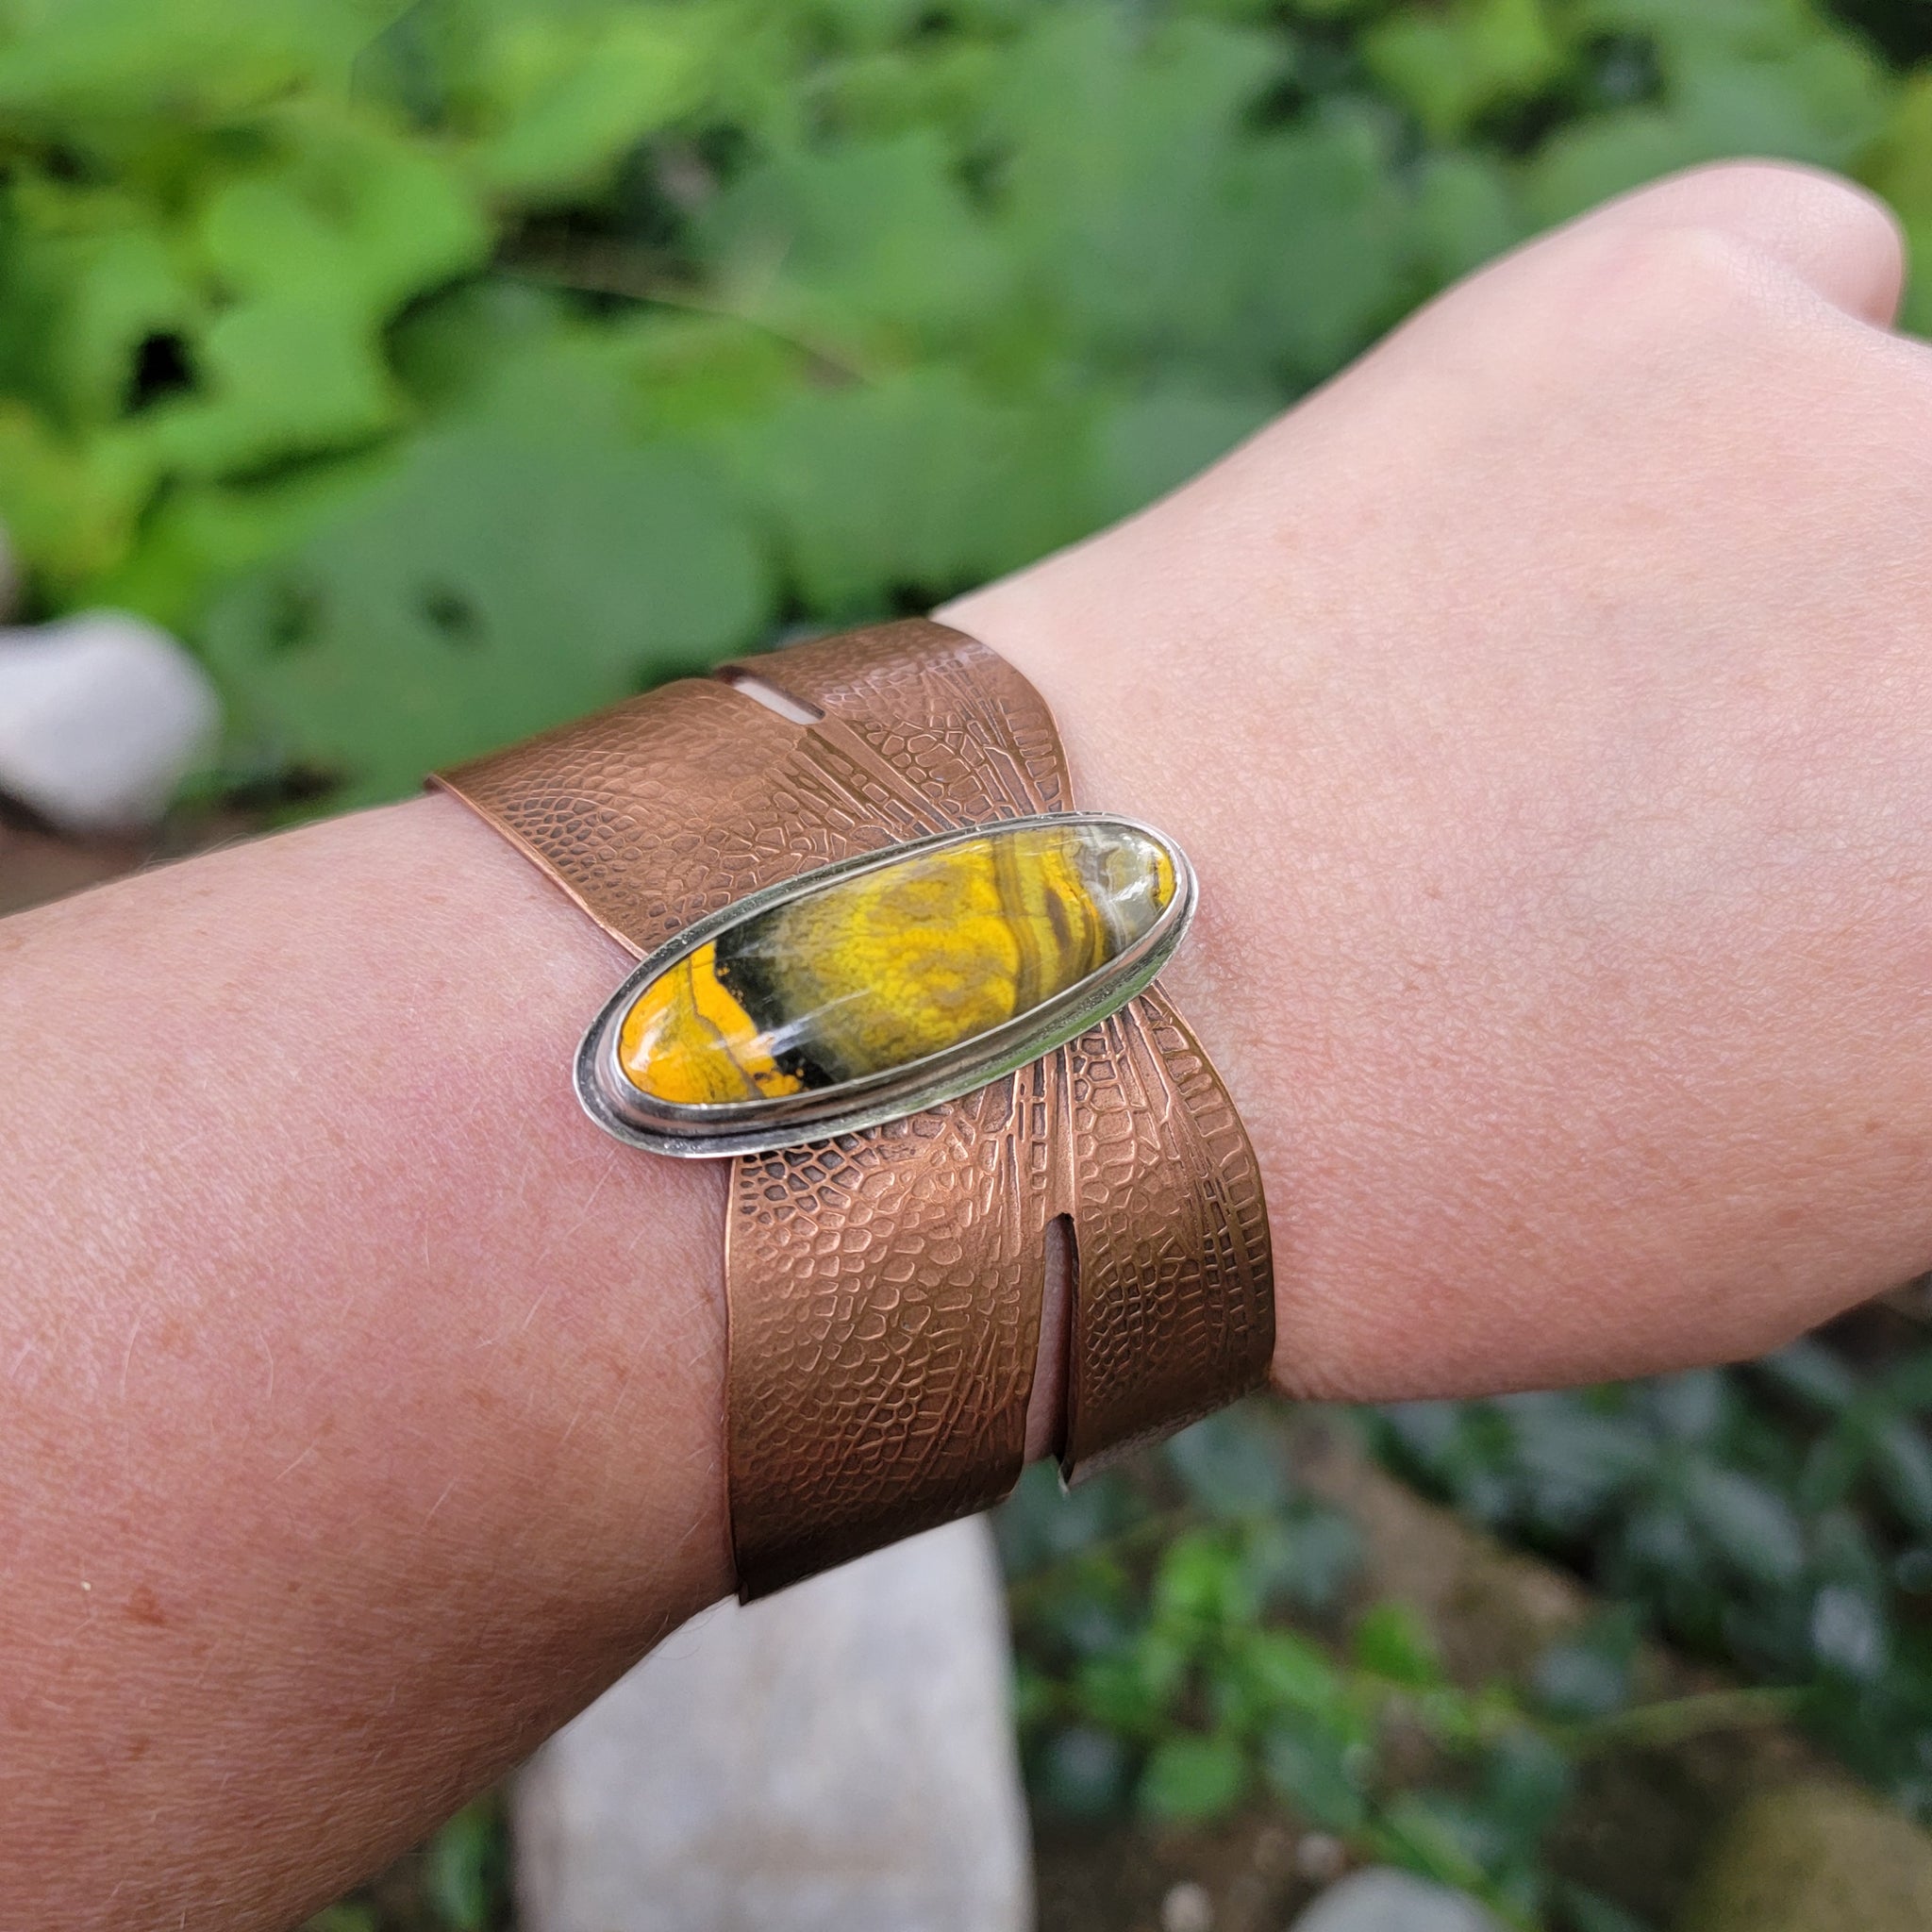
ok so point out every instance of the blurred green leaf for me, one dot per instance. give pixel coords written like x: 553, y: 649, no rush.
x: 1692, y: 1407
x: 1131, y: 197
x: 107, y: 63
x: 1848, y: 1633
x: 1834, y: 1466
x: 1395, y: 1642
x: 1571, y: 1459
x: 1323, y: 1776
x: 1084, y: 1772
x: 464, y: 1864
x: 861, y: 239
x: 1526, y: 1781
x: 1468, y: 209
x: 498, y: 580
x: 349, y: 1916
x: 1809, y: 1371
x: 1331, y: 184
x: 551, y: 102
x: 1589, y: 1674
x: 1133, y: 1692
x: 1738, y: 77
x: 1306, y: 1558
x: 1902, y: 1459
x: 1431, y: 1432
x: 1232, y: 1464
x: 1908, y: 1383
x: 1192, y: 1779
x: 1453, y: 65
x: 75, y: 505
x: 1436, y: 1836
x: 88, y: 276
x: 1588, y: 1911
x: 1746, y: 1521
x: 1148, y: 444
x: 1203, y: 1582
x: 312, y: 252
x: 915, y: 479
x: 1278, y: 1673
x: 1092, y: 1614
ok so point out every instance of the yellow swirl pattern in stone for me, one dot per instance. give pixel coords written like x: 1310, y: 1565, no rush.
x: 868, y: 974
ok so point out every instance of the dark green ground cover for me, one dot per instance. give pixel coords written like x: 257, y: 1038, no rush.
x: 1191, y: 1641
x: 439, y: 371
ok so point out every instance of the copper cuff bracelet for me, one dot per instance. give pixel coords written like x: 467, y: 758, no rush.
x: 891, y: 972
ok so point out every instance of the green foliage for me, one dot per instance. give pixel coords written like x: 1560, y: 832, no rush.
x: 457, y: 1882
x: 1734, y: 77
x: 1779, y: 1517
x: 439, y: 571
x: 1456, y: 66
x: 1900, y: 168
x: 465, y: 1869
x: 1193, y: 1638
x: 840, y: 306
x: 1189, y: 1643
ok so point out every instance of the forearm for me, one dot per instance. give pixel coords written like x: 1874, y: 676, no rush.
x: 362, y: 1401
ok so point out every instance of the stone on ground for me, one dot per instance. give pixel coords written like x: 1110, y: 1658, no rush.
x: 1382, y: 1899
x: 837, y: 1758
x: 100, y: 717
x: 1814, y: 1857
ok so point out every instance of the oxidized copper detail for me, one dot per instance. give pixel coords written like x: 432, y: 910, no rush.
x: 884, y: 1290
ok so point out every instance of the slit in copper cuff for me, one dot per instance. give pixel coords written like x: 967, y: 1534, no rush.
x: 1053, y: 1366
x: 769, y: 695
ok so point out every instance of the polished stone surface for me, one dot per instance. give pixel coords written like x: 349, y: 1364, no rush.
x: 872, y: 972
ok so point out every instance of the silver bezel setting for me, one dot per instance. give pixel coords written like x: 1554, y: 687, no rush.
x: 757, y: 1126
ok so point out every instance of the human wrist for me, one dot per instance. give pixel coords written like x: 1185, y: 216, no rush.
x: 1136, y: 744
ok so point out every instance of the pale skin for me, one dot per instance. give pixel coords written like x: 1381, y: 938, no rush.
x: 1547, y: 706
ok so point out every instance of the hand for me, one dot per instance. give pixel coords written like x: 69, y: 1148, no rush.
x: 1547, y: 705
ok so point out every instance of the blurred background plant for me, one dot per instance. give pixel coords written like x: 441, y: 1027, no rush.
x: 441, y: 370
x: 437, y: 371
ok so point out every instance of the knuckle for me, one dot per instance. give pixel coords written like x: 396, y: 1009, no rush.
x: 1687, y: 276
x: 1730, y: 190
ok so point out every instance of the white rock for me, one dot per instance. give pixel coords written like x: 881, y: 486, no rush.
x: 1381, y: 1899
x: 1320, y: 1856
x: 837, y: 1758
x: 100, y: 717
x: 1186, y: 1908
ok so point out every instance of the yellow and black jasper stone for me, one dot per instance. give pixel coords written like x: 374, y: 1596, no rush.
x: 868, y: 974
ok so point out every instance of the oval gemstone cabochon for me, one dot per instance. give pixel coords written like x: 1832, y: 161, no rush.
x: 892, y: 965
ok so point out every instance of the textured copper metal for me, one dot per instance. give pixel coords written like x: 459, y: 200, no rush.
x: 884, y: 1290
